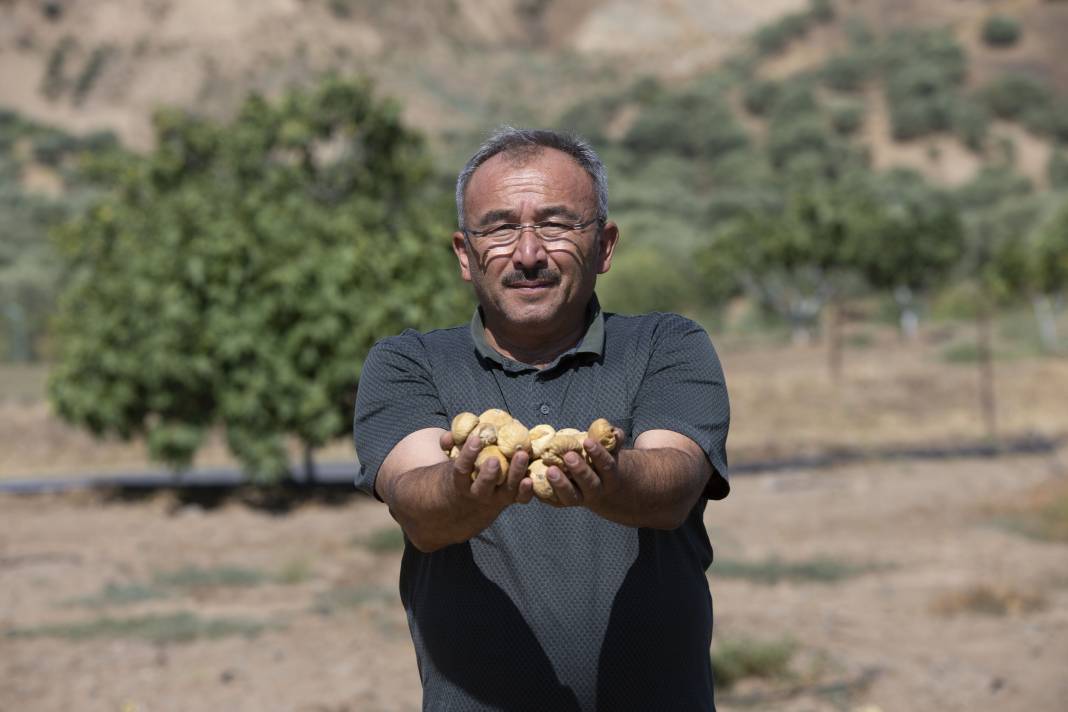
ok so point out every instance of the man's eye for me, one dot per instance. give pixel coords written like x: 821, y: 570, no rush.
x: 553, y: 229
x: 500, y: 230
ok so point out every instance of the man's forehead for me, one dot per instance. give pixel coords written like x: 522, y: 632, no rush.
x: 566, y: 171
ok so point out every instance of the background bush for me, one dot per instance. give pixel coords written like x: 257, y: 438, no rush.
x: 1001, y: 31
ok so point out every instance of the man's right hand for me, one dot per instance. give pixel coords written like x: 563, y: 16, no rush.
x: 435, y: 500
x: 483, y: 489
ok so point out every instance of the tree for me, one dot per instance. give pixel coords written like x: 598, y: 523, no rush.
x: 1050, y: 271
x: 237, y: 276
x: 798, y: 259
x: 999, y: 211
x: 915, y: 241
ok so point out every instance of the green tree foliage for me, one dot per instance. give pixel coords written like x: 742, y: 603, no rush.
x: 999, y: 212
x: 237, y: 276
x: 914, y: 241
x: 923, y: 70
x: 696, y: 123
x: 28, y: 271
x: 773, y: 37
x: 847, y: 72
x: 847, y: 117
x: 971, y: 122
x: 760, y: 95
x: 1016, y: 96
x: 1057, y: 168
x: 1001, y: 31
x: 798, y: 257
x: 1050, y: 270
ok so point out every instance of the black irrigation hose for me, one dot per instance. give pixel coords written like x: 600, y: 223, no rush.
x: 338, y: 476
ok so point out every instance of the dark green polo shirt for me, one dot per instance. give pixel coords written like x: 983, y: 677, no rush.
x: 557, y: 609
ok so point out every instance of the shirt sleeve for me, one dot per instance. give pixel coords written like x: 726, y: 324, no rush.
x: 396, y: 397
x: 684, y: 390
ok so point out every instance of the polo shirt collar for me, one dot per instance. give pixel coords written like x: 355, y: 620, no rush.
x: 592, y: 341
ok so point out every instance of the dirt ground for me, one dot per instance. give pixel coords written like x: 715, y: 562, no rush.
x: 901, y: 586
x: 322, y: 580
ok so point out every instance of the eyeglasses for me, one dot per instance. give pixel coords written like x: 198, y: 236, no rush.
x: 507, y: 233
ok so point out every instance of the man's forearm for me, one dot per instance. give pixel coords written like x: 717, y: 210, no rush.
x: 654, y: 487
x: 419, y: 500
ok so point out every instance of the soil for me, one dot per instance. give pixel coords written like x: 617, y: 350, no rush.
x: 922, y: 535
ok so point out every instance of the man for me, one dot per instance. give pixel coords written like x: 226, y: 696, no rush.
x: 598, y: 601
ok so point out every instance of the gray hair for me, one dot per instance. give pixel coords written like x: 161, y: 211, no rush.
x: 508, y: 139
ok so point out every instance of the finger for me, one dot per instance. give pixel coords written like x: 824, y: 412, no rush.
x: 486, y: 480
x: 602, y: 459
x: 586, y: 480
x: 563, y: 487
x: 464, y: 464
x: 525, y: 492
x: 517, y: 470
x: 620, y: 436
x: 445, y: 441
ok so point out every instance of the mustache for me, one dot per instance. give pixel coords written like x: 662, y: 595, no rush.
x: 544, y: 275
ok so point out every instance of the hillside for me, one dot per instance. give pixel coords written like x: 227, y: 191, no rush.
x: 107, y: 64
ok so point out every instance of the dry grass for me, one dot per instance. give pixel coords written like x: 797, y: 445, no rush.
x: 989, y: 600
x: 1040, y: 514
x: 180, y: 627
x: 774, y: 570
x: 784, y: 402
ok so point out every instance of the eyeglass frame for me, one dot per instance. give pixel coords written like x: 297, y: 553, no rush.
x: 518, y: 228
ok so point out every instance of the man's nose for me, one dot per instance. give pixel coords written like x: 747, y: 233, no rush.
x: 529, y: 251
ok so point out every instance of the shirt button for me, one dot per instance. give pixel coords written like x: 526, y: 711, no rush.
x: 544, y: 409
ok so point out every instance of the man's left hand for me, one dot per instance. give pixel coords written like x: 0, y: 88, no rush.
x: 582, y: 484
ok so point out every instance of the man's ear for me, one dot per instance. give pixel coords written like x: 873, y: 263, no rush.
x: 459, y: 247
x: 607, y: 246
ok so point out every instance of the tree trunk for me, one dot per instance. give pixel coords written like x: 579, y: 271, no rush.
x: 835, y: 338
x: 309, y: 464
x: 908, y: 319
x: 1046, y: 317
x: 19, y: 346
x: 987, y: 401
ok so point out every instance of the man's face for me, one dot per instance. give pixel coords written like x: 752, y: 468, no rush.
x: 532, y: 282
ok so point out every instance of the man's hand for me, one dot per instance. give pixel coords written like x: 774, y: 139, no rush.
x: 435, y: 500
x: 584, y: 484
x: 483, y: 490
x: 655, y: 485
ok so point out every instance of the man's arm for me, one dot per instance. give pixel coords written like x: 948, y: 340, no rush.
x: 435, y: 500
x: 655, y: 484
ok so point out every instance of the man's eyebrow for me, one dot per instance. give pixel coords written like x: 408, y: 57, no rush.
x: 549, y: 211
x: 496, y: 216
x: 557, y: 211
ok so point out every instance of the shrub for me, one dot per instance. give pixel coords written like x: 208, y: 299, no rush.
x: 54, y: 81
x: 971, y: 120
x: 734, y: 660
x: 1013, y: 95
x: 773, y: 37
x: 91, y: 72
x: 846, y: 118
x: 1001, y: 31
x: 696, y: 123
x: 912, y: 118
x: 821, y: 10
x: 845, y: 72
x: 760, y: 96
x: 789, y: 138
x: 1057, y: 169
x: 796, y: 99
